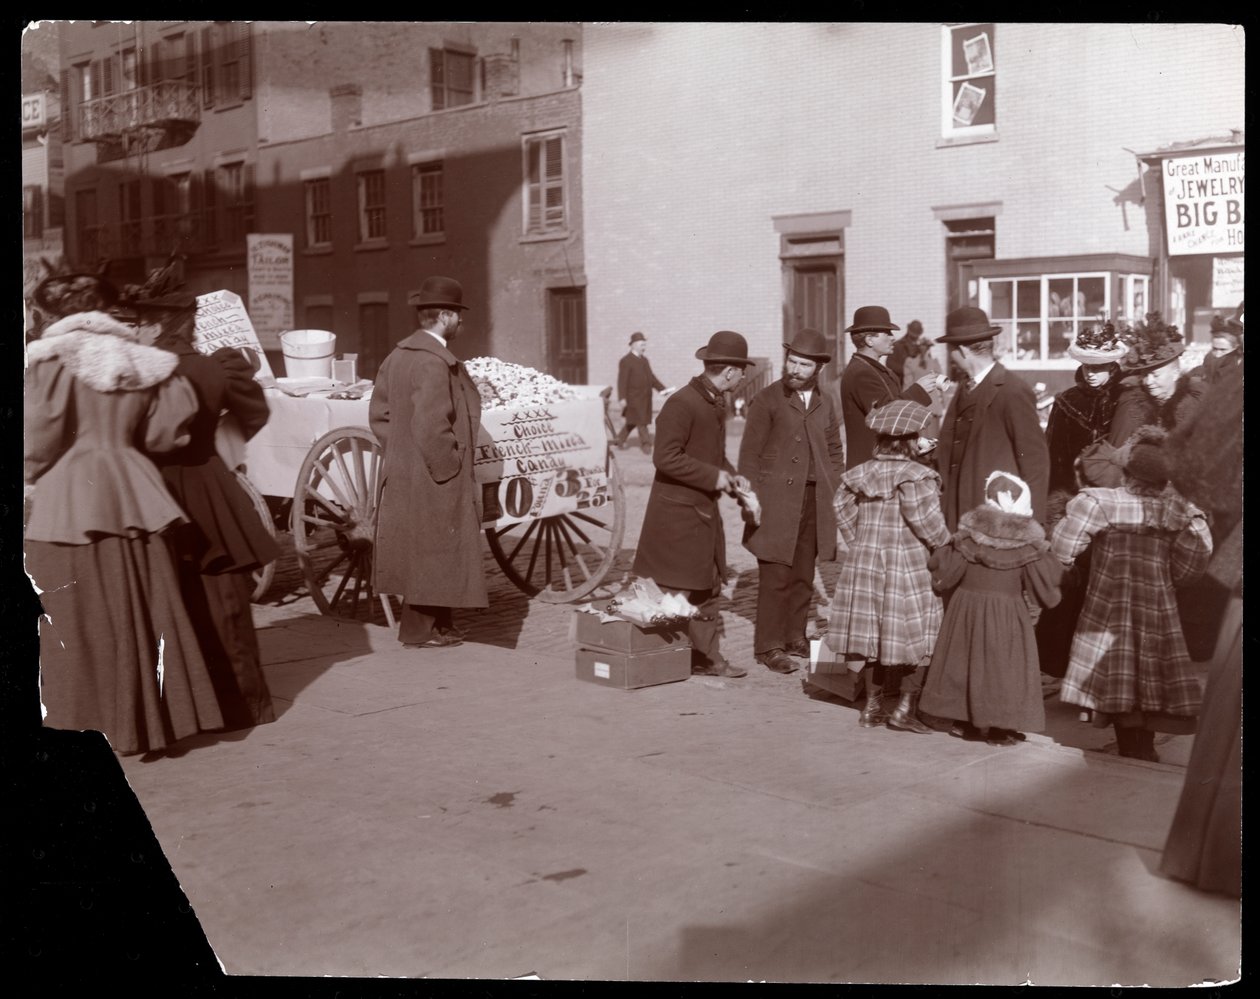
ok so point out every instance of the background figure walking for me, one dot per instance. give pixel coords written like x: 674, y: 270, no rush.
x: 118, y: 653
x: 682, y: 545
x: 635, y: 382
x: 426, y: 411
x: 223, y: 542
x: 791, y: 453
x: 884, y: 614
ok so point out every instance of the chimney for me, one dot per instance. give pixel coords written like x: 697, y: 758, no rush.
x: 503, y: 76
x: 568, y: 62
x: 347, y: 106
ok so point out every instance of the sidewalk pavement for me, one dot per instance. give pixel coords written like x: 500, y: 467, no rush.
x: 478, y: 812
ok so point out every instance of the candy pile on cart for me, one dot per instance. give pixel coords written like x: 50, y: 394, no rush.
x: 504, y: 385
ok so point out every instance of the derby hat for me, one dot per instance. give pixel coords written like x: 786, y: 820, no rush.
x: 898, y: 418
x: 438, y: 293
x: 1235, y: 322
x: 968, y: 325
x: 811, y: 345
x: 636, y: 337
x: 725, y: 347
x: 871, y: 317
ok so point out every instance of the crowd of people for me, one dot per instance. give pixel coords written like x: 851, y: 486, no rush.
x: 139, y: 538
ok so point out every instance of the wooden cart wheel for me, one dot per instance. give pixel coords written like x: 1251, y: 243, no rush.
x: 563, y: 558
x: 334, y: 521
x: 264, y: 574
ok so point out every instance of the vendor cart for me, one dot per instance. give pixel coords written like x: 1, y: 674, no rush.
x: 554, y: 502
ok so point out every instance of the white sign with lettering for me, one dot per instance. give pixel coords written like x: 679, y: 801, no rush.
x: 270, y: 257
x: 1203, y: 203
x: 223, y: 322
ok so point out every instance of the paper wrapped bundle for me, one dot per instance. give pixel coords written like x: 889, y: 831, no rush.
x: 644, y: 604
x: 749, y: 505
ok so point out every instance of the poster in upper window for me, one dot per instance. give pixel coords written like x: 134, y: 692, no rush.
x: 979, y: 54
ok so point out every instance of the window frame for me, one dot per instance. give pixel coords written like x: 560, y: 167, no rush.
x: 420, y: 211
x: 313, y: 216
x: 237, y: 202
x: 440, y: 88
x: 364, y: 219
x: 33, y: 211
x: 530, y: 142
x: 951, y: 132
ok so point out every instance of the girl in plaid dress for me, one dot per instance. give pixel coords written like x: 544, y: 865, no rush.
x: 888, y: 514
x: 1129, y: 664
x: 985, y: 673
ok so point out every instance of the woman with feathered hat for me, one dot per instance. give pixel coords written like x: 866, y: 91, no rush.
x: 1155, y: 391
x: 118, y: 652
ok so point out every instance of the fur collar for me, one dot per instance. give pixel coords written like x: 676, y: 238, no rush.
x: 995, y: 528
x: 100, y: 351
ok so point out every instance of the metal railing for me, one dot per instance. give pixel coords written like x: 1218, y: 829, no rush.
x: 157, y: 105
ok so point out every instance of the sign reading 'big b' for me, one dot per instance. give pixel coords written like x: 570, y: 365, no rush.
x: 1203, y: 203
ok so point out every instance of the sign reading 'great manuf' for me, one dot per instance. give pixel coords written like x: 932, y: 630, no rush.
x: 1203, y: 203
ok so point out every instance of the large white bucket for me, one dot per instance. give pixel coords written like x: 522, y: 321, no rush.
x: 308, y: 353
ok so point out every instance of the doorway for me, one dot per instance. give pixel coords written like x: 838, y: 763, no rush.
x: 815, y: 302
x: 566, y: 334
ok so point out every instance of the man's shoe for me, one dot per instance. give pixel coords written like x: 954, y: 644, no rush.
x: 728, y: 668
x: 1004, y: 737
x: 438, y: 641
x: 454, y: 631
x: 966, y: 731
x: 799, y: 648
x: 778, y: 661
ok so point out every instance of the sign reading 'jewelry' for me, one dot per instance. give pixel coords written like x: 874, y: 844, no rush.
x: 1203, y: 203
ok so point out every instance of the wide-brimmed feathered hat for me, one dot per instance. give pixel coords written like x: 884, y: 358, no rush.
x: 1152, y: 344
x: 65, y: 294
x: 1098, y: 345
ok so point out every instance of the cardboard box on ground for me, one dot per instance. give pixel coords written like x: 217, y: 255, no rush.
x: 625, y: 655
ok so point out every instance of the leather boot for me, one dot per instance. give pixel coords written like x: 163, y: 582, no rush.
x: 873, y: 715
x: 905, y: 717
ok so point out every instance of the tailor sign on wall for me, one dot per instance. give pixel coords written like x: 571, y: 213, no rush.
x: 1203, y: 203
x: 270, y: 285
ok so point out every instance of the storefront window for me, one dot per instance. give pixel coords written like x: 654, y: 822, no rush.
x: 1040, y: 315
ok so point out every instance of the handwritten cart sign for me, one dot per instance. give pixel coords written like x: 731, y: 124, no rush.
x: 223, y: 322
x: 1203, y: 203
x: 271, y: 285
x: 543, y: 460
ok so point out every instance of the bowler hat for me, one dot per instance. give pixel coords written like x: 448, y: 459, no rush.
x: 871, y: 317
x: 898, y: 418
x: 968, y: 325
x: 811, y: 345
x: 725, y: 347
x: 636, y: 337
x: 438, y: 293
x: 1235, y: 322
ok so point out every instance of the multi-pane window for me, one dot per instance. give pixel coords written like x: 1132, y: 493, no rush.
x: 450, y: 78
x: 129, y: 70
x: 969, y: 90
x: 32, y: 211
x: 371, y: 205
x: 237, y: 187
x: 544, y: 184
x: 129, y: 215
x: 1040, y: 315
x: 1135, y: 297
x: 318, y: 211
x: 428, y: 199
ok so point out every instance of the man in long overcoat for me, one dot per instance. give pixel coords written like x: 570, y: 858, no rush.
x: 791, y: 453
x: 635, y: 382
x: 991, y: 423
x: 425, y: 411
x: 867, y: 383
x: 682, y: 545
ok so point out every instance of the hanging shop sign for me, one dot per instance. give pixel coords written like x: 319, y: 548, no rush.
x: 1203, y: 202
x: 270, y: 285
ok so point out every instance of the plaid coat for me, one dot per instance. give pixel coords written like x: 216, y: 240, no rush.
x: 1128, y: 653
x: 888, y: 511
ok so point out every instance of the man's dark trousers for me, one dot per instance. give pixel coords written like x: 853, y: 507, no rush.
x: 785, y: 592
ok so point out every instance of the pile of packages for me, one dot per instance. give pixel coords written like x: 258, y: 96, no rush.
x: 643, y: 603
x: 504, y: 385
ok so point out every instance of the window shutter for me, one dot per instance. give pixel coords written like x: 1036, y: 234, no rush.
x: 69, y: 106
x: 109, y: 74
x: 437, y: 78
x: 188, y: 61
x: 96, y: 80
x: 207, y: 67
x: 245, y: 55
x: 226, y: 40
x: 210, y: 201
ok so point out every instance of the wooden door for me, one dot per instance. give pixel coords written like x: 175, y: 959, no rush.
x: 816, y: 303
x: 566, y: 334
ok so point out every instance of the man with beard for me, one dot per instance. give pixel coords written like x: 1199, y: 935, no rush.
x: 792, y: 455
x: 867, y: 383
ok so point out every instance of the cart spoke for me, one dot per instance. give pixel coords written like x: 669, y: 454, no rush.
x: 579, y: 515
x: 564, y: 527
x: 335, y: 486
x: 318, y: 497
x: 360, y: 473
x: 341, y: 587
x: 347, y: 477
x: 568, y: 525
x: 528, y: 531
x: 321, y: 522
x: 533, y: 558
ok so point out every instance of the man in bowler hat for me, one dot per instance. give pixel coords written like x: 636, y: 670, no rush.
x: 867, y: 383
x: 682, y: 545
x: 426, y: 411
x: 991, y: 423
x: 635, y: 382
x: 792, y: 455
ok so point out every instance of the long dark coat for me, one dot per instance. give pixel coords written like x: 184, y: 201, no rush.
x: 1135, y: 408
x: 425, y: 411
x: 682, y: 544
x: 779, y: 436
x: 992, y: 428
x: 864, y: 385
x: 635, y: 382
x: 1080, y: 416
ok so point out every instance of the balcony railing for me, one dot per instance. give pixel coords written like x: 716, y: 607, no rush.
x: 167, y: 106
